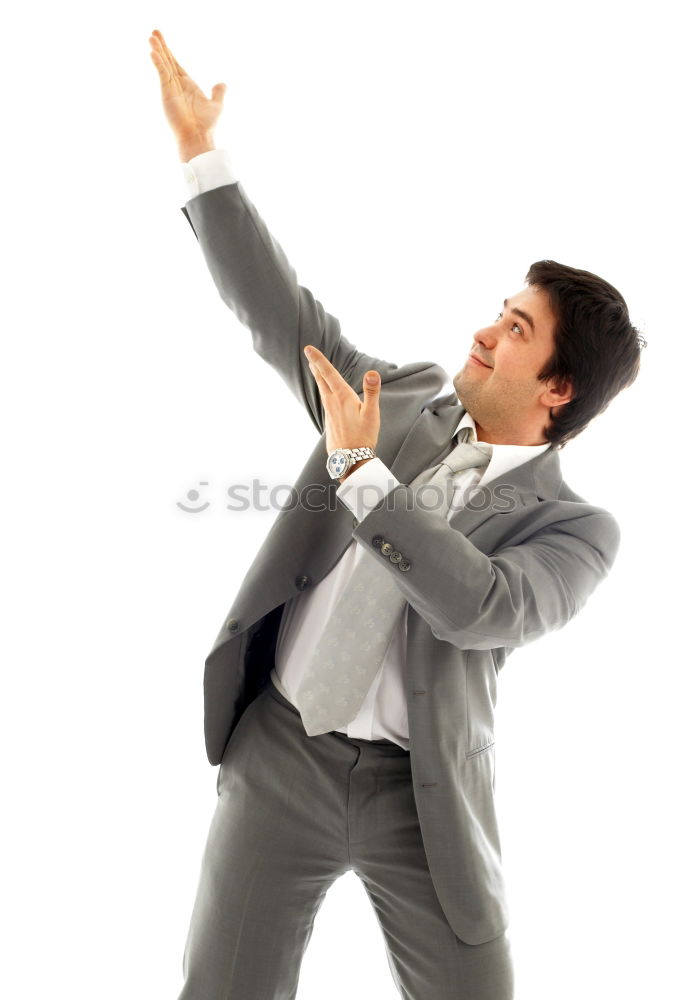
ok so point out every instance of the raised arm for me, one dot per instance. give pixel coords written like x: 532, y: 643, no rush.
x: 249, y: 268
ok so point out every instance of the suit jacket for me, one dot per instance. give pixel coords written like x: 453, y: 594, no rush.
x: 496, y: 576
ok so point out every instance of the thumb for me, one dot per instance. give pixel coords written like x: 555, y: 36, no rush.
x: 371, y: 386
x: 218, y: 91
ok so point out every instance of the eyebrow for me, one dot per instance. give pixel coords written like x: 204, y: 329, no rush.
x: 523, y: 315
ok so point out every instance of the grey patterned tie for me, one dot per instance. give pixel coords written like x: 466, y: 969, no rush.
x: 353, y: 644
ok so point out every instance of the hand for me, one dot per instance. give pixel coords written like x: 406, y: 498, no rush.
x: 349, y: 423
x: 191, y: 115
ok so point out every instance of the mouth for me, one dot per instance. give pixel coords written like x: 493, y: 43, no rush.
x: 478, y: 361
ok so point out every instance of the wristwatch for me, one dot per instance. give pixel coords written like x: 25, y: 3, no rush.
x: 341, y: 460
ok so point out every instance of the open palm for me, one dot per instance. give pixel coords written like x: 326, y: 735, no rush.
x: 187, y: 109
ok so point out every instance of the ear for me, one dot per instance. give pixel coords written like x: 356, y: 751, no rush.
x: 558, y: 392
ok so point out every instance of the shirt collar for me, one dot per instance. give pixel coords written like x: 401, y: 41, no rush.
x: 504, y: 457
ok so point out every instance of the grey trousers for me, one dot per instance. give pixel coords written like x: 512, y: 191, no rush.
x: 293, y: 813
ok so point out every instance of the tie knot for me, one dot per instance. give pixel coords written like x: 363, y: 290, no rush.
x: 463, y: 456
x: 467, y: 455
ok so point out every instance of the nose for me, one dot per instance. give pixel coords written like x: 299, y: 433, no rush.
x: 486, y: 340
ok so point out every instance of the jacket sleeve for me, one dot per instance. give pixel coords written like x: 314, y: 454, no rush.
x: 256, y: 281
x: 510, y: 598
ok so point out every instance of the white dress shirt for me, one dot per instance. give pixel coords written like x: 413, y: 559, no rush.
x: 383, y: 714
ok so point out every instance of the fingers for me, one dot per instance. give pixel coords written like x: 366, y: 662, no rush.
x: 162, y: 50
x: 160, y: 58
x: 163, y: 70
x: 321, y: 382
x: 325, y: 373
x: 165, y: 55
x: 158, y: 61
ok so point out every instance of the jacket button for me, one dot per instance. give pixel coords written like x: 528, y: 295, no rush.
x: 378, y: 541
x: 404, y: 565
x: 396, y: 557
x: 232, y: 624
x: 302, y: 582
x: 386, y: 548
x: 355, y: 523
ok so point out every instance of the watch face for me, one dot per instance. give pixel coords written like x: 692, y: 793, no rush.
x: 338, y: 464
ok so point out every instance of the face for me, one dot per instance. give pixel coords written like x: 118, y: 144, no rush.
x: 507, y: 401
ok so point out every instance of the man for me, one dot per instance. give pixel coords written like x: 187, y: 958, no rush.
x: 350, y: 693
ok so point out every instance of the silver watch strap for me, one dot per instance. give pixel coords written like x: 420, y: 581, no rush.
x: 358, y: 453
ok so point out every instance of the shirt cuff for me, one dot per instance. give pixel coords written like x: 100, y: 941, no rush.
x: 207, y: 171
x: 365, y: 487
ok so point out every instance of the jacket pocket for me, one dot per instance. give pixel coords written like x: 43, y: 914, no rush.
x: 482, y: 749
x: 480, y: 698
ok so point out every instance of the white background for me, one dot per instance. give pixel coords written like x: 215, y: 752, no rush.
x: 412, y: 160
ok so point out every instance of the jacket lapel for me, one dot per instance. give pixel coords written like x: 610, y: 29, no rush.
x: 430, y: 440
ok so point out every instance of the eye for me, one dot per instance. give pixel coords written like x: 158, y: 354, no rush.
x: 515, y: 326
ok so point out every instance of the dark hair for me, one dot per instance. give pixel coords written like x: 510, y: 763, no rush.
x: 596, y: 344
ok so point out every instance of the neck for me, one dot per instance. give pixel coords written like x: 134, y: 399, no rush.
x: 500, y: 437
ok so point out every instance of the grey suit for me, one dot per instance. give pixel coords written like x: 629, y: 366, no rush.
x: 495, y: 577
